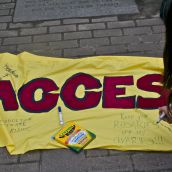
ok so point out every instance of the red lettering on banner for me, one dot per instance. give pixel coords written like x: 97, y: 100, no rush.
x: 146, y: 83
x: 48, y: 101
x: 113, y: 93
x: 110, y: 92
x: 91, y: 98
x: 8, y: 97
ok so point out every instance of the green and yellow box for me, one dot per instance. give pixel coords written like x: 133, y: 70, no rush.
x: 74, y: 136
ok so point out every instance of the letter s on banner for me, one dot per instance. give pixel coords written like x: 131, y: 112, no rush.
x: 146, y: 83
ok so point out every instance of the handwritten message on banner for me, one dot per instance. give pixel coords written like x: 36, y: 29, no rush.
x: 115, y: 97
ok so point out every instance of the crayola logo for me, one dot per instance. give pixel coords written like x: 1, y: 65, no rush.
x: 67, y: 132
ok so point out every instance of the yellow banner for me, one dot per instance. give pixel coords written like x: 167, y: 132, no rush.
x: 115, y: 97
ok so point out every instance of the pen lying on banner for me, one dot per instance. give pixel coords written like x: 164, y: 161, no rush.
x: 60, y: 115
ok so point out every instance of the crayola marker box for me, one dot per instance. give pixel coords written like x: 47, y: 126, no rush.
x: 74, y: 137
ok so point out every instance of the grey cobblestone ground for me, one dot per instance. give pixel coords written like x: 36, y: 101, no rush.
x: 141, y: 34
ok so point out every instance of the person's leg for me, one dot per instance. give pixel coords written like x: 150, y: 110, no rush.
x: 166, y: 15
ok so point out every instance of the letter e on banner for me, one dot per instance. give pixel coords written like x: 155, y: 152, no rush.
x: 110, y: 93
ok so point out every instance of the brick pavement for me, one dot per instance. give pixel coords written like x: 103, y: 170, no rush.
x: 141, y: 34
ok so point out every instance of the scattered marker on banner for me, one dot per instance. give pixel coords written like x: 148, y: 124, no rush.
x: 60, y: 115
x: 160, y: 117
x: 72, y: 135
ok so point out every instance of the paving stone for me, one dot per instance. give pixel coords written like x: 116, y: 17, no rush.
x: 53, y: 160
x: 105, y: 19
x: 6, y: 5
x: 158, y: 29
x: 137, y: 53
x: 5, y: 157
x: 66, y: 28
x: 8, y: 33
x: 121, y: 24
x: 92, y: 26
x: 72, y: 21
x: 143, y: 47
x: 77, y: 35
x: 110, y: 32
x: 30, y: 167
x: 118, y: 152
x: 8, y: 48
x: 96, y: 153
x: 111, y: 163
x: 49, y: 23
x: 133, y: 17
x: 149, y: 22
x: 137, y: 31
x: 3, y: 26
x: 11, y: 11
x: 33, y: 31
x: 33, y: 46
x: 104, y: 170
x: 4, y: 1
x: 4, y: 19
x: 125, y: 39
x: 72, y: 9
x: 59, y: 154
x: 108, y: 50
x: 152, y: 161
x: 4, y: 12
x: 152, y: 38
x: 30, y: 156
x: 48, y: 52
x: 77, y: 52
x: 64, y: 44
x: 17, y: 40
x: 62, y: 160
x: 47, y: 38
x: 20, y: 25
x: 95, y: 42
x: 158, y: 53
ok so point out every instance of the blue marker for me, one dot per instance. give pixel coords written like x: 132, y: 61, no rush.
x: 60, y: 115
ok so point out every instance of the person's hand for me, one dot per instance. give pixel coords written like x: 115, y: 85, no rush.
x: 168, y: 113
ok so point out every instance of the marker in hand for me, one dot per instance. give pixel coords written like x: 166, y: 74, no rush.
x: 60, y: 115
x: 160, y: 117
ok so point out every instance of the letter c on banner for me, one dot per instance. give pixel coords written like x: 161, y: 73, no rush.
x: 91, y: 98
x: 48, y: 101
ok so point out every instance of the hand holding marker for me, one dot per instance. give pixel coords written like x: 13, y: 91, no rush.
x: 161, y: 117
